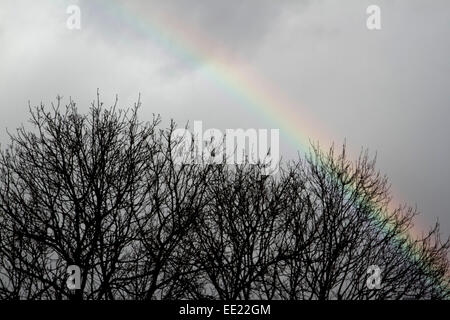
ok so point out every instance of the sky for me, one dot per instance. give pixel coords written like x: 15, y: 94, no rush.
x: 386, y: 90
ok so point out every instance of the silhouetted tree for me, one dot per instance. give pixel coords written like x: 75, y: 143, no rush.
x: 343, y: 206
x: 102, y: 191
x: 68, y: 191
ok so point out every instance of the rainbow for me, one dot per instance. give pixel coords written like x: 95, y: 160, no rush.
x: 222, y: 68
x: 249, y: 89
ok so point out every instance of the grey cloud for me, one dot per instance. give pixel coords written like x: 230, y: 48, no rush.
x: 385, y: 90
x: 238, y: 25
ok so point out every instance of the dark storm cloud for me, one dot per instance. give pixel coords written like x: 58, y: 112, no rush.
x: 237, y: 25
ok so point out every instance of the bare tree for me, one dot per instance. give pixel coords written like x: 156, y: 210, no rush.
x: 241, y: 236
x: 103, y: 191
x: 69, y: 190
x: 162, y: 258
x: 345, y: 210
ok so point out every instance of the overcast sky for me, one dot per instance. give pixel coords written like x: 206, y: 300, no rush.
x: 387, y: 90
